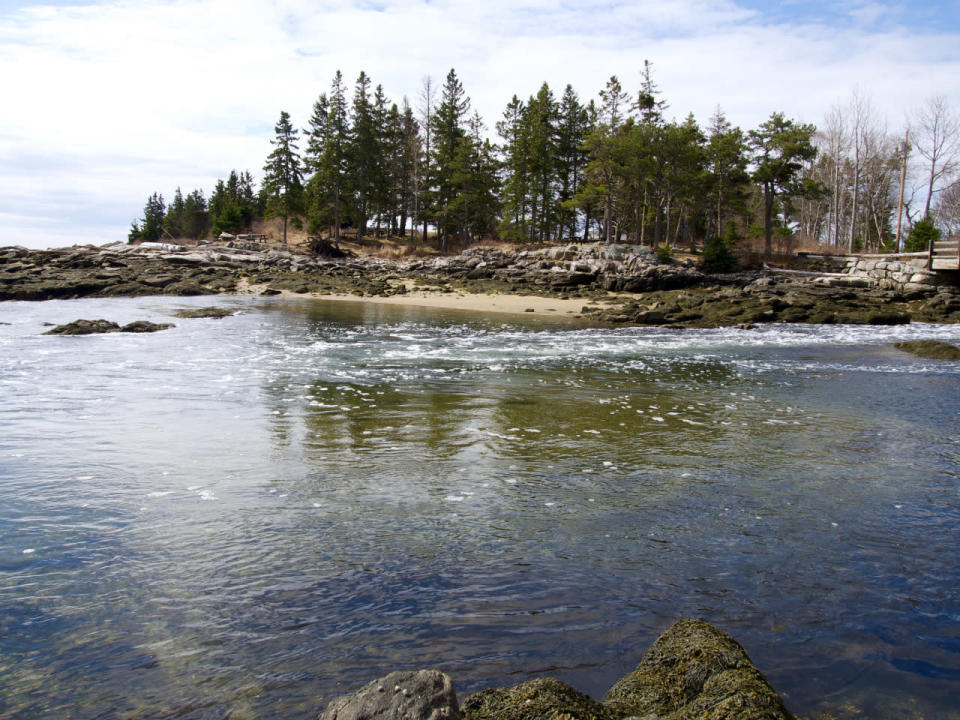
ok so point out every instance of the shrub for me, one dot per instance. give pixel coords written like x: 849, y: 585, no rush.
x: 664, y: 254
x: 717, y: 255
x: 921, y: 235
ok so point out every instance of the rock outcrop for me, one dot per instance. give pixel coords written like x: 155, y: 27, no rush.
x: 695, y: 671
x: 930, y: 349
x: 95, y: 327
x: 638, y: 288
x: 692, y: 672
x: 412, y: 695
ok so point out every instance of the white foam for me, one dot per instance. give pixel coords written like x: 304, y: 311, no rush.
x: 29, y: 551
x: 455, y: 498
x: 657, y: 418
x: 159, y: 493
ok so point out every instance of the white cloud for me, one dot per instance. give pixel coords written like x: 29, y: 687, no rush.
x: 108, y: 102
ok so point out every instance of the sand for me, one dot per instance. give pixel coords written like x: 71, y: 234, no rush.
x: 482, y: 303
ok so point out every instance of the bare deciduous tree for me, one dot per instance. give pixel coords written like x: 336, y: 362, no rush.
x: 937, y: 138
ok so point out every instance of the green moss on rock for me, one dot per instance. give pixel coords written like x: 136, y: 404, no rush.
x: 696, y: 672
x: 205, y: 312
x: 541, y: 699
x: 930, y: 349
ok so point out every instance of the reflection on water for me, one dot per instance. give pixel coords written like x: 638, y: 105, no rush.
x: 248, y: 516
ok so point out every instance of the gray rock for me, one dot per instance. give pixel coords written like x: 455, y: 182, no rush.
x: 408, y: 695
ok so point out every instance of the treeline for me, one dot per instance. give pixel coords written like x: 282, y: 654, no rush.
x: 614, y: 168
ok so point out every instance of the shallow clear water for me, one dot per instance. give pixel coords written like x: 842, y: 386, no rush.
x: 249, y: 516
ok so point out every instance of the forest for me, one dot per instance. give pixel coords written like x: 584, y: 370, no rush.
x: 613, y: 169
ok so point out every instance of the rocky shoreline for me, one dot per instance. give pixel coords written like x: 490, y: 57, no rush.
x: 693, y: 671
x: 620, y: 285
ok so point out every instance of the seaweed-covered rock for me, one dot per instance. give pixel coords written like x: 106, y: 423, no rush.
x: 145, y: 326
x: 696, y: 672
x: 417, y: 695
x: 930, y: 349
x: 84, y: 327
x: 206, y: 312
x: 541, y: 699
x: 184, y: 288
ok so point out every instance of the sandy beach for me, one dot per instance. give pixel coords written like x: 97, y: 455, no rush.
x: 472, y: 302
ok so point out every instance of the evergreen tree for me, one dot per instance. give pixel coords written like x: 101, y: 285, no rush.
x: 330, y: 155
x: 195, y: 216
x: 233, y: 204
x: 448, y: 131
x: 922, y: 234
x: 386, y: 139
x: 363, y: 152
x: 173, y: 219
x: 780, y: 147
x: 726, y: 172
x: 150, y: 227
x: 516, y: 172
x: 541, y: 128
x: 572, y: 128
x: 407, y: 167
x: 283, y: 176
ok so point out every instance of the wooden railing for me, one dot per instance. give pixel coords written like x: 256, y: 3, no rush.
x: 944, y: 255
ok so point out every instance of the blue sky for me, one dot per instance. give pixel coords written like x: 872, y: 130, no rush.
x: 106, y: 102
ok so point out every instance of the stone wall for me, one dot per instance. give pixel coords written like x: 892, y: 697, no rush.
x: 907, y: 276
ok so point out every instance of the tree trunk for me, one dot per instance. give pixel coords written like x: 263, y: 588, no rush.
x: 643, y: 216
x: 336, y: 216
x: 768, y: 198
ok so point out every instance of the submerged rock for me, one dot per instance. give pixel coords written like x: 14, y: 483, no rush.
x: 413, y: 695
x: 696, y: 672
x: 541, y: 699
x: 930, y: 349
x: 206, y: 312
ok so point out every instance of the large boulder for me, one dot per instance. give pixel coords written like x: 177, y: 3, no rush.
x: 696, y: 672
x: 409, y: 695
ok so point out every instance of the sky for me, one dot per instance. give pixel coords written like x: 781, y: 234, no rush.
x: 103, y: 103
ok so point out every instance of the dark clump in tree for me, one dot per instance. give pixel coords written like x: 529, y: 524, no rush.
x: 921, y: 235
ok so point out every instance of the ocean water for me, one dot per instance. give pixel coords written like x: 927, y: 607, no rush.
x: 247, y: 517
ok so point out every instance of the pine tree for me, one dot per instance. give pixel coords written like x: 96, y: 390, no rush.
x: 173, y: 219
x: 727, y: 178
x: 150, y: 227
x: 780, y: 147
x: 571, y: 159
x: 363, y: 152
x: 448, y: 130
x: 233, y: 205
x: 516, y: 172
x: 541, y: 128
x: 283, y: 176
x: 407, y: 178
x: 331, y: 176
x: 195, y: 216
